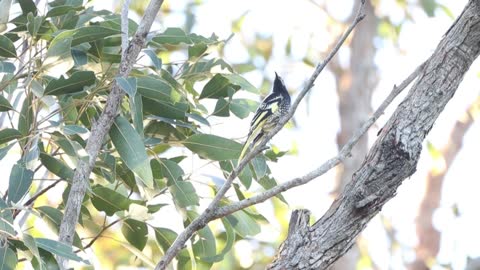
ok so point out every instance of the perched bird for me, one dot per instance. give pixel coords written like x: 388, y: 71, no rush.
x: 272, y: 108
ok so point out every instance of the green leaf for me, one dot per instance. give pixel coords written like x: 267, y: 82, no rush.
x: 176, y: 36
x: 58, y: 248
x: 92, y: 33
x: 131, y: 149
x: 26, y: 116
x: 74, y: 84
x: 51, y: 215
x: 213, y: 147
x: 74, y: 129
x: 260, y: 167
x: 242, y: 107
x: 30, y: 243
x: 184, y: 194
x: 245, y: 176
x: 28, y: 6
x: 9, y: 134
x: 4, y: 104
x: 7, y: 49
x: 164, y: 168
x: 198, y: 118
x: 429, y: 7
x: 222, y: 108
x: 165, y: 237
x: 218, y: 86
x: 4, y: 150
x: 61, y: 10
x: 56, y: 166
x: 47, y: 260
x: 80, y: 58
x: 242, y: 82
x: 164, y: 109
x: 157, y: 62
x: 136, y: 232
x: 269, y: 182
x: 8, y: 258
x: 59, y: 56
x: 155, y: 89
x: 196, y: 51
x: 129, y: 85
x: 136, y: 108
x: 153, y: 208
x: 205, y: 245
x: 243, y: 224
x: 108, y: 200
x: 6, y: 219
x: 34, y: 23
x: 7, y: 67
x: 19, y: 184
x: 230, y: 240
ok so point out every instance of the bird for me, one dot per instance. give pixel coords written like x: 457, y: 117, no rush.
x: 268, y: 114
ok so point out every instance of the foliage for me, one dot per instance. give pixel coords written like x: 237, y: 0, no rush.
x: 56, y: 69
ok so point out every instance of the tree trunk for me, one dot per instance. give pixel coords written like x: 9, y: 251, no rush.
x: 395, y: 154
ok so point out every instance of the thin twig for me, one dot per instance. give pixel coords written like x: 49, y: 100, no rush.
x: 34, y: 197
x: 98, y: 235
x: 208, y: 215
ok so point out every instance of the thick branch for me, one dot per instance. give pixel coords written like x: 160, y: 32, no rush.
x: 395, y: 154
x: 209, y: 213
x: 101, y: 127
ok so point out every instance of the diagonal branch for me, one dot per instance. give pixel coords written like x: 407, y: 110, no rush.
x: 329, y: 164
x: 395, y: 154
x: 208, y: 215
x: 100, y: 129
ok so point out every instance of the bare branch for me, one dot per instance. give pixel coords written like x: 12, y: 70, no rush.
x: 329, y: 164
x: 395, y: 154
x: 208, y: 215
x: 100, y: 129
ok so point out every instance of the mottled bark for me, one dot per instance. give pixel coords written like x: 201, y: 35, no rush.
x: 394, y: 156
x: 100, y: 129
x: 429, y: 237
x: 354, y: 88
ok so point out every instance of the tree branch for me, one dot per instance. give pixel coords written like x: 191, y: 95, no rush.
x: 100, y: 129
x: 209, y: 213
x: 395, y: 154
x: 329, y: 164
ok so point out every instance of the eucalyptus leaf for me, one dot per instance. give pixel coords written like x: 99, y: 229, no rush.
x: 213, y: 147
x: 19, y: 184
x: 7, y: 49
x: 131, y: 149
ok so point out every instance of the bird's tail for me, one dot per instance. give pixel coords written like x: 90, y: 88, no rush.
x: 253, y: 137
x: 244, y: 148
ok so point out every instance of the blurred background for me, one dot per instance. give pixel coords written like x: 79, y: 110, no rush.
x: 433, y: 221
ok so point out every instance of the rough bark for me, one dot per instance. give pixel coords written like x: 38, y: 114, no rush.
x: 101, y: 128
x: 395, y: 154
x: 429, y: 237
x: 354, y: 88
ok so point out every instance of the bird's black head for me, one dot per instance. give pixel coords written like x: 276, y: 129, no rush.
x: 279, y: 85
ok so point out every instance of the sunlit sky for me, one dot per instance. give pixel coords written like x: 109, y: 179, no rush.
x: 315, y: 133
